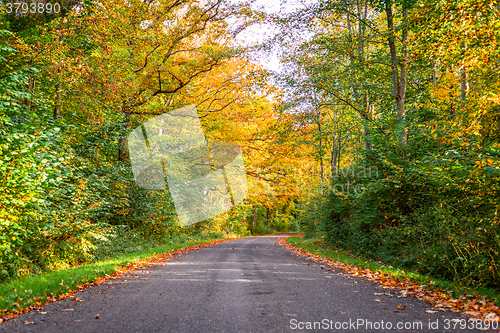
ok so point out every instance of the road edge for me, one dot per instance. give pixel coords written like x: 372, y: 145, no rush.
x: 158, y: 259
x: 437, y: 298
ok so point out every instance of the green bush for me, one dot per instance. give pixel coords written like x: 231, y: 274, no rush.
x: 438, y: 216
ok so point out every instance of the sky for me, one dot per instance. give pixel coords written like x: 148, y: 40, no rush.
x: 259, y: 33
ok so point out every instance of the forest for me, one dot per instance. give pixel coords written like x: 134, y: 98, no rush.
x: 380, y: 133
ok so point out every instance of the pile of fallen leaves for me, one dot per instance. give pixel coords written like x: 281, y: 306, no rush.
x: 156, y: 260
x: 477, y: 307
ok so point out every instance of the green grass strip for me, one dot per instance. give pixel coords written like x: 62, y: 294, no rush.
x: 22, y: 292
x: 319, y: 247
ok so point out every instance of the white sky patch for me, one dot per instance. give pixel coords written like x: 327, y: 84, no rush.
x: 259, y: 33
x: 146, y: 24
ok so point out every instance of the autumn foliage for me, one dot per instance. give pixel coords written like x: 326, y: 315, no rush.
x: 398, y: 104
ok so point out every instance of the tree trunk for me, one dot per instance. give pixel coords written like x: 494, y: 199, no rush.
x: 464, y: 87
x: 122, y: 149
x: 398, y: 81
x: 338, y: 153
x: 322, y: 167
x: 123, y: 141
x: 254, y: 218
x: 366, y: 105
x: 267, y: 217
x: 58, y: 103
x: 434, y: 74
x: 368, y: 145
x: 362, y: 14
x: 334, y: 156
x: 366, y: 130
x: 362, y: 29
x: 452, y: 104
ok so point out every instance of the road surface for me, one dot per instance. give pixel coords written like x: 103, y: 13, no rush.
x: 246, y: 285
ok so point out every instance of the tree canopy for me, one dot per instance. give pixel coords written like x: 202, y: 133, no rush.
x: 380, y: 133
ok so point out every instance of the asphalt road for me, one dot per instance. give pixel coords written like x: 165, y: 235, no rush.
x: 246, y: 285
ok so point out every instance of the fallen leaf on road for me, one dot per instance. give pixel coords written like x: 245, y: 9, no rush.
x: 492, y: 316
x: 157, y: 260
x: 473, y: 313
x: 97, y: 317
x: 401, y: 307
x: 28, y: 322
x: 430, y: 311
x: 63, y: 310
x: 480, y: 307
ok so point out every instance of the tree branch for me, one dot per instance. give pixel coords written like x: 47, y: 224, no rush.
x: 146, y: 60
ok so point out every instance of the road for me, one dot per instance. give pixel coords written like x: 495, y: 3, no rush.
x: 246, y: 285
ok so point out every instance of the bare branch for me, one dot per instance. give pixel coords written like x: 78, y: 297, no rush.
x: 183, y: 84
x: 146, y: 60
x: 218, y: 110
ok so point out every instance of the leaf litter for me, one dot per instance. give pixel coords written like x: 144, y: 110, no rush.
x: 478, y: 308
x: 157, y: 260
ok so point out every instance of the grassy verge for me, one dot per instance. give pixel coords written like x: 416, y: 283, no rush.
x: 31, y: 290
x: 321, y: 248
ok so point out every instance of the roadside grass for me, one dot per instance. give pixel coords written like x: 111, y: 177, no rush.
x: 20, y: 293
x: 321, y: 248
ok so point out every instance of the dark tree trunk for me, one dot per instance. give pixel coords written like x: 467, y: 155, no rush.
x: 58, y: 103
x: 268, y: 214
x: 398, y: 79
x: 254, y: 219
x: 334, y: 156
x: 123, y: 141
